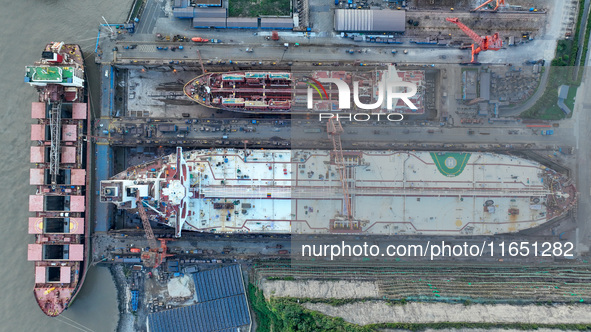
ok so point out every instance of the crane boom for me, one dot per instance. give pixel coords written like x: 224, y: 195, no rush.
x: 146, y: 221
x: 485, y: 43
x: 334, y: 130
x: 499, y: 3
x: 473, y: 35
x: 156, y: 255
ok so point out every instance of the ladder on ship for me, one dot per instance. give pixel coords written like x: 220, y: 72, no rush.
x: 55, y: 128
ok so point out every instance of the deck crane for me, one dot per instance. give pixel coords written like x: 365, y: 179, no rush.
x: 485, y: 43
x: 155, y: 256
x: 334, y: 130
x: 499, y: 3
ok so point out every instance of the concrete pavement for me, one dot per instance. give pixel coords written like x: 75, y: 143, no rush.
x: 302, y: 131
x: 582, y: 134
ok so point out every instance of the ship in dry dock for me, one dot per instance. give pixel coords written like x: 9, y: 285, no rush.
x: 302, y: 192
x: 279, y: 92
x: 58, y: 154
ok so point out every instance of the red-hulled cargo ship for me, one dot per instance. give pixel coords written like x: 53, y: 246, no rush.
x: 248, y: 92
x: 59, y: 156
x: 280, y: 92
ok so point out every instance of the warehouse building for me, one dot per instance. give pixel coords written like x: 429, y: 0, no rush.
x: 484, y: 85
x: 209, y: 17
x: 180, y: 3
x: 203, y: 12
x: 369, y: 20
x: 277, y: 23
x: 209, y: 22
x: 242, y: 22
x: 221, y: 305
x: 187, y: 12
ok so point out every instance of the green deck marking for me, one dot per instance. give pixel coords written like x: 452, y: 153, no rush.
x: 279, y: 75
x: 255, y: 75
x: 232, y: 77
x: 450, y: 163
x: 49, y: 74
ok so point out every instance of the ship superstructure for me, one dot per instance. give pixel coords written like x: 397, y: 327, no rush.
x: 59, y: 158
x: 269, y: 92
x: 299, y: 191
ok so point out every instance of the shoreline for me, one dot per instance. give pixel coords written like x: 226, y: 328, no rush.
x: 126, y: 320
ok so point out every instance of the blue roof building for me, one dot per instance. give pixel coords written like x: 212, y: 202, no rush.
x: 221, y: 305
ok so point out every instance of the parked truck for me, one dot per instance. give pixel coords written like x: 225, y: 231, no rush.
x: 167, y: 128
x: 199, y: 40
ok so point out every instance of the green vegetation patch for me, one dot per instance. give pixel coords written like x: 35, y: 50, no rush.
x: 570, y: 99
x: 546, y: 108
x: 488, y: 326
x: 586, y: 43
x: 562, y: 71
x: 255, y: 8
x: 135, y: 10
x: 288, y: 315
x: 566, y: 53
x: 450, y: 164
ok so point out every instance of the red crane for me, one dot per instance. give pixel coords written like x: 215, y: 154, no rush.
x: 155, y: 256
x: 485, y: 43
x: 499, y: 3
x: 334, y: 130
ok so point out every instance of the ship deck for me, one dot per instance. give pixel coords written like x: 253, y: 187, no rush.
x: 235, y: 91
x: 60, y: 155
x: 300, y: 191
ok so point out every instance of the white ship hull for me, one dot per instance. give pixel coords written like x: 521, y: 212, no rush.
x: 300, y: 192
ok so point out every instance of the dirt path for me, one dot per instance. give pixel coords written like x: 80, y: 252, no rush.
x: 380, y: 312
x: 320, y: 289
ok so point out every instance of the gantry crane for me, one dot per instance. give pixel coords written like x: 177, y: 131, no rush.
x: 499, y: 3
x: 156, y: 255
x: 334, y: 130
x: 485, y: 43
